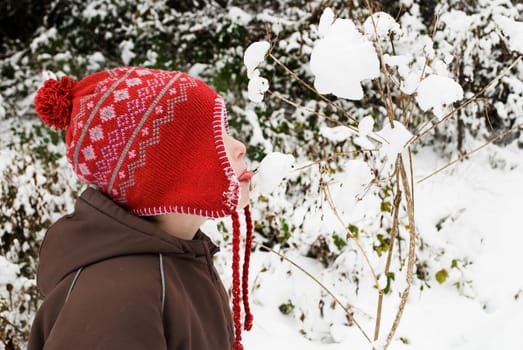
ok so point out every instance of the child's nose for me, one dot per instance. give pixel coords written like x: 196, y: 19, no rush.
x: 240, y: 149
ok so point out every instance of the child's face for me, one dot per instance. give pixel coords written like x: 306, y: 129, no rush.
x: 235, y: 152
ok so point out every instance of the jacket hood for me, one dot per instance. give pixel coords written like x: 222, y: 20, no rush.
x: 100, y: 229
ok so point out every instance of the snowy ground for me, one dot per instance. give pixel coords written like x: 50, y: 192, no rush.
x: 484, y: 226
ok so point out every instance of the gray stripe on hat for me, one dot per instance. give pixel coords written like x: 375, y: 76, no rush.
x: 138, y: 128
x: 93, y: 113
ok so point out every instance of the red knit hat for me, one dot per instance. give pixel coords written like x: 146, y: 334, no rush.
x: 152, y: 140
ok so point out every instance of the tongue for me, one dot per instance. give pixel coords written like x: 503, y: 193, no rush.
x: 246, y: 176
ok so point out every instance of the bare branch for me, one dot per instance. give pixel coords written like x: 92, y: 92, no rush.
x: 464, y: 156
x: 411, y: 257
x: 349, y: 234
x: 465, y: 103
x: 295, y: 76
x: 395, y: 228
x: 346, y: 309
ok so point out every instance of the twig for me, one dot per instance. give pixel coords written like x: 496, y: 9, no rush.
x: 464, y: 156
x: 310, y: 110
x: 295, y: 76
x: 425, y: 65
x: 18, y: 330
x: 388, y: 100
x: 346, y: 309
x: 334, y: 156
x: 412, y: 245
x: 421, y: 133
x: 349, y: 234
x: 396, y: 208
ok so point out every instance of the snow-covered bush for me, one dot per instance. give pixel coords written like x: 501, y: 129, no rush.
x: 330, y: 137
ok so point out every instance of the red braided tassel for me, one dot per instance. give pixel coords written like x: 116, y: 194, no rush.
x: 245, y: 271
x: 236, y: 308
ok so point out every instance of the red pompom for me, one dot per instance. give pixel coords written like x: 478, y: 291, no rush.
x: 54, y: 101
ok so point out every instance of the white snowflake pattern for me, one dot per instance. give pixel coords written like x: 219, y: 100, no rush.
x: 132, y: 154
x: 142, y: 72
x: 84, y: 169
x: 133, y: 82
x: 107, y: 113
x: 89, y: 152
x: 122, y: 94
x: 145, y: 132
x: 96, y: 133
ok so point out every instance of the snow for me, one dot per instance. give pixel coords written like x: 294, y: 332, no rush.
x: 9, y: 271
x: 394, y: 140
x: 2, y: 108
x: 342, y: 59
x: 483, y: 204
x: 257, y: 134
x: 384, y: 23
x: 513, y: 30
x: 348, y: 187
x: 127, y: 54
x: 271, y: 171
x: 43, y: 39
x: 254, y: 55
x: 467, y: 217
x: 257, y: 86
x: 336, y: 134
x: 237, y: 15
x: 326, y: 21
x: 197, y: 69
x: 365, y: 127
x: 438, y: 93
x: 96, y: 61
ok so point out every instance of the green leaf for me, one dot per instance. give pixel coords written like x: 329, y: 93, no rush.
x: 286, y: 308
x: 338, y: 241
x: 441, y: 275
x: 354, y: 229
x: 386, y: 207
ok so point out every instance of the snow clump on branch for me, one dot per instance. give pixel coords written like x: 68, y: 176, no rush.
x: 254, y: 55
x: 271, y: 171
x: 385, y: 24
x: 513, y: 30
x: 438, y: 92
x: 342, y: 58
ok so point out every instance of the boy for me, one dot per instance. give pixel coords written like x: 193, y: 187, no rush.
x: 130, y: 269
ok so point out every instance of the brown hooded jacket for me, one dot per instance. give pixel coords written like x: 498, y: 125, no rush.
x: 112, y: 280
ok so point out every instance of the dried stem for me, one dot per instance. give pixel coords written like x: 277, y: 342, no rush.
x: 17, y: 329
x: 346, y: 309
x: 295, y: 76
x: 349, y: 234
x: 465, y: 103
x: 396, y: 208
x: 412, y: 244
x: 388, y: 100
x: 425, y: 65
x: 334, y: 156
x: 310, y: 110
x: 466, y: 155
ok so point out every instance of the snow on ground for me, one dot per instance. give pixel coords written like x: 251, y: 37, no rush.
x: 480, y: 203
